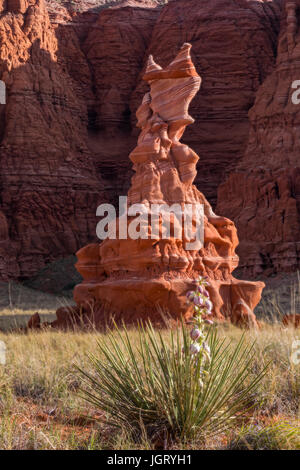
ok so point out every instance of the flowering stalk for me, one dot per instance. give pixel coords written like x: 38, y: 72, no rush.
x: 202, y: 305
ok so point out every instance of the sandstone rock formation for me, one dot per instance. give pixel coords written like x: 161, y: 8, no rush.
x: 126, y: 278
x: 292, y: 320
x: 263, y: 194
x: 234, y: 46
x: 236, y: 56
x: 50, y: 183
x: 73, y: 80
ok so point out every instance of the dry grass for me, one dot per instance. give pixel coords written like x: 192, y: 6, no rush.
x: 18, y: 303
x: 40, y: 407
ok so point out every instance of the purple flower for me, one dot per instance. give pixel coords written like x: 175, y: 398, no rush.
x: 195, y: 334
x: 208, y: 305
x: 206, y: 293
x: 195, y: 348
x: 209, y: 322
x: 190, y: 296
x: 200, y: 301
x: 200, y: 289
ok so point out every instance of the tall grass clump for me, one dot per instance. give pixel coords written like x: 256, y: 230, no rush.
x: 278, y: 436
x: 184, y: 384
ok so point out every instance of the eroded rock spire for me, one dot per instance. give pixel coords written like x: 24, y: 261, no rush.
x: 132, y: 279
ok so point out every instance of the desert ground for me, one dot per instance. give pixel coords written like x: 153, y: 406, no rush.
x: 41, y: 406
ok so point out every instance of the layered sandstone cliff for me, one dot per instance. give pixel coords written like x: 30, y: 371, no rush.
x: 48, y: 176
x: 74, y: 82
x: 234, y: 46
x: 263, y: 194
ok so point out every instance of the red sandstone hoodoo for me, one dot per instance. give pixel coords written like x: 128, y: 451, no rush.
x: 136, y: 279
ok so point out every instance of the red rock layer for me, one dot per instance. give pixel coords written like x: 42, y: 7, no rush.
x: 263, y: 194
x: 234, y: 45
x: 115, y: 48
x: 48, y: 177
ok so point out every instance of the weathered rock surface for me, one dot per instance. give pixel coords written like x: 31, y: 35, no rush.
x: 48, y: 176
x: 115, y: 49
x: 292, y: 320
x: 263, y: 194
x: 235, y: 57
x: 50, y: 179
x: 234, y: 47
x: 128, y: 278
x: 68, y: 149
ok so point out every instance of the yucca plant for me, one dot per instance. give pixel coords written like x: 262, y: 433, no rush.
x: 182, y: 383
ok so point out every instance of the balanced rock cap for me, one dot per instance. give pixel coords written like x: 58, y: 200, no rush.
x: 182, y: 66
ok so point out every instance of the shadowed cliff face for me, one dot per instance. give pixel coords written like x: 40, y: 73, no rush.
x: 234, y: 45
x: 73, y: 74
x: 262, y: 195
x: 48, y: 177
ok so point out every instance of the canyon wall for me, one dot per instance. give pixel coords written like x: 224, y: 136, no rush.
x: 73, y: 73
x: 263, y: 193
x: 48, y: 176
